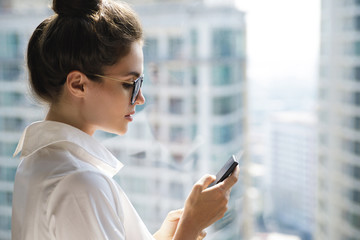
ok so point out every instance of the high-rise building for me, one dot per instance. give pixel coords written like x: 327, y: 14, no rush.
x: 292, y: 171
x: 338, y: 215
x: 195, y: 89
x: 16, y: 108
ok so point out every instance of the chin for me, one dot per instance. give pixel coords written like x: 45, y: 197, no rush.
x: 118, y: 131
x: 121, y: 131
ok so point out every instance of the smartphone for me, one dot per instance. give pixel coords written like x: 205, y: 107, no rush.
x: 226, y: 170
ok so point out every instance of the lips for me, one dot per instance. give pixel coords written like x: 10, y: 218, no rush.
x: 129, y: 116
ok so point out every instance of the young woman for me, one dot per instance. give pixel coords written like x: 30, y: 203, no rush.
x: 86, y: 62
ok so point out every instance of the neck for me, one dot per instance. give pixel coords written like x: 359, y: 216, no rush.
x: 69, y: 115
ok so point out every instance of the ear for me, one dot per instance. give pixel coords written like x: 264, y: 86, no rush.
x: 75, y: 83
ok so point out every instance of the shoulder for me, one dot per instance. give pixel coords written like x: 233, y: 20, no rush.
x: 87, y: 185
x: 84, y: 190
x: 86, y: 181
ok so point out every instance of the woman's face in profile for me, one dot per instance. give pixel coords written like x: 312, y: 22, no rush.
x: 109, y: 105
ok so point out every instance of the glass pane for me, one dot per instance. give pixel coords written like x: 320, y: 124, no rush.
x: 222, y: 75
x: 176, y: 50
x: 223, y: 43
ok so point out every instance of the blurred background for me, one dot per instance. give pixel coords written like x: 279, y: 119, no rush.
x: 277, y: 79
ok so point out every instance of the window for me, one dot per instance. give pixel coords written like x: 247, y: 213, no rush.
x: 9, y: 71
x: 153, y: 101
x: 239, y: 43
x: 352, y: 146
x: 356, y: 98
x: 176, y: 106
x: 5, y: 198
x: 135, y: 184
x: 355, y: 196
x: 176, y: 77
x: 357, y: 48
x: 357, y: 148
x: 222, y: 75
x: 7, y: 174
x: 352, y: 218
x: 5, y: 222
x: 194, y: 105
x: 356, y: 123
x: 357, y: 23
x: 223, y: 43
x: 177, y: 134
x: 11, y: 98
x: 9, y: 45
x: 194, y: 42
x: 194, y: 131
x: 228, y: 43
x: 225, y: 104
x: 223, y: 133
x: 194, y: 76
x: 355, y: 170
x: 176, y: 190
x: 175, y: 48
x: 357, y: 73
x: 11, y: 124
x: 7, y: 149
x: 151, y: 49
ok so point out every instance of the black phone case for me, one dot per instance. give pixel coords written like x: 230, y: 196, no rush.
x: 225, y: 171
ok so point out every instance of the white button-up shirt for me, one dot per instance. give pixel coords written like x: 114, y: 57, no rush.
x: 64, y: 189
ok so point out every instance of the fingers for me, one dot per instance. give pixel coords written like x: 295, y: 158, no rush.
x: 201, y: 236
x: 232, y: 179
x: 174, y: 215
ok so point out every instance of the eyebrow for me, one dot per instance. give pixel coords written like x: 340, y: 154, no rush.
x: 135, y: 74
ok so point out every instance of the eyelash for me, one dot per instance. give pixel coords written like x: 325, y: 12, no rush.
x: 127, y: 85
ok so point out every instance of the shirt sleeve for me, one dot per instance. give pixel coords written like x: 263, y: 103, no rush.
x: 84, y: 206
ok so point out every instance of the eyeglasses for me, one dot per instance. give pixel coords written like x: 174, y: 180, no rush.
x: 136, y: 85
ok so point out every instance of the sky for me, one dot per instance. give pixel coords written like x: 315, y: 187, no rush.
x: 282, y: 39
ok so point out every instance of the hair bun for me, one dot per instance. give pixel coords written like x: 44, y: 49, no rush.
x: 76, y: 7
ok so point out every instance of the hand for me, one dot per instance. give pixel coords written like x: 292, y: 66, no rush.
x: 202, y: 235
x: 205, y: 205
x: 168, y: 228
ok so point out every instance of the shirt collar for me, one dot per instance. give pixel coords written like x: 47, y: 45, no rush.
x: 45, y: 133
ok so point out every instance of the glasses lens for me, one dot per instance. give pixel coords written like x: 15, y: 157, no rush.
x: 137, y: 83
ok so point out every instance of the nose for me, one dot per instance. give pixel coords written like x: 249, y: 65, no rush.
x: 140, y: 100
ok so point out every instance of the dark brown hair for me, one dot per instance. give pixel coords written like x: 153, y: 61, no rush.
x: 83, y: 35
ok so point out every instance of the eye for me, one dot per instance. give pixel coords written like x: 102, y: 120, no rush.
x: 127, y: 85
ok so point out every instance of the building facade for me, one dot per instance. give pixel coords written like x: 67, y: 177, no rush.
x: 17, y: 109
x: 292, y: 170
x: 194, y: 116
x: 338, y: 215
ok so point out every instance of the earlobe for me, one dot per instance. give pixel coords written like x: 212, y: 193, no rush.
x: 75, y: 82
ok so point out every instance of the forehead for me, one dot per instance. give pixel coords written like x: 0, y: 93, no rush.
x: 131, y: 63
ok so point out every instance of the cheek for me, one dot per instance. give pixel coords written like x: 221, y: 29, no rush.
x: 113, y: 100
x: 109, y: 99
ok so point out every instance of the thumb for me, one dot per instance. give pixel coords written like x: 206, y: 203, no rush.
x: 205, y: 181
x: 200, y: 185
